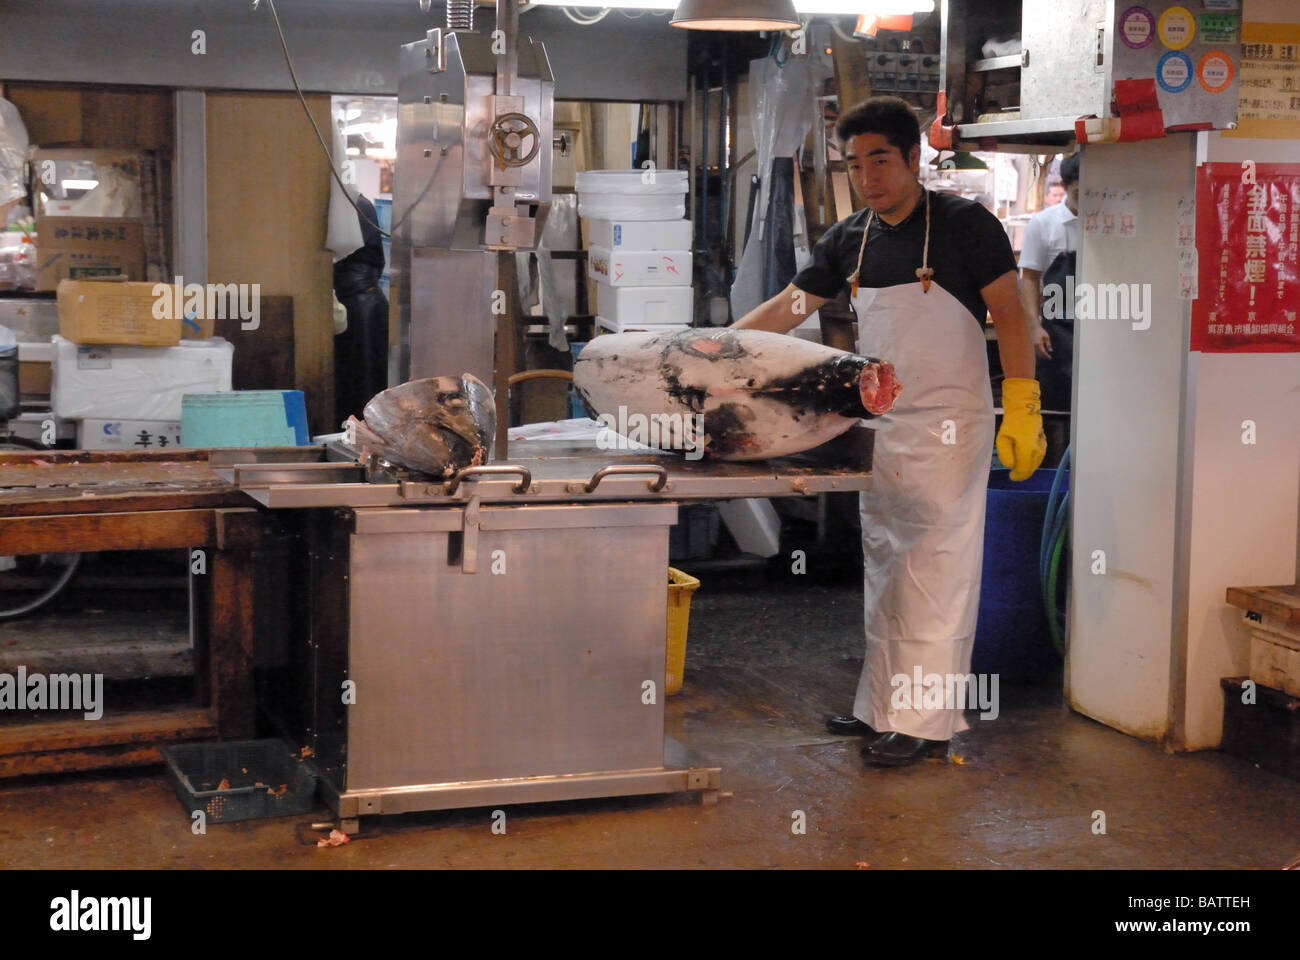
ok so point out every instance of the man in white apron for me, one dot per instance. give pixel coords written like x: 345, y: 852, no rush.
x: 922, y: 269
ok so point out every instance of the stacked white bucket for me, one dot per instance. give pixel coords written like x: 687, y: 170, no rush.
x: 639, y: 251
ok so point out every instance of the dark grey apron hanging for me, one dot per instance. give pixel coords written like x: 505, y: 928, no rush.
x: 779, y: 265
x: 1054, y: 373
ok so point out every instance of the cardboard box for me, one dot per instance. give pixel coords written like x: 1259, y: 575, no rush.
x: 128, y: 434
x: 34, y: 368
x: 34, y: 378
x: 105, y: 312
x: 640, y: 305
x: 640, y: 268
x: 640, y: 234
x: 135, y: 383
x: 77, y: 248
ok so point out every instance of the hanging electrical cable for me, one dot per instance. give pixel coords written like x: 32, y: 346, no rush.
x: 293, y: 75
x: 1051, y: 550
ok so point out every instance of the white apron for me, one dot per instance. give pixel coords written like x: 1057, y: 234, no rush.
x: 923, y: 517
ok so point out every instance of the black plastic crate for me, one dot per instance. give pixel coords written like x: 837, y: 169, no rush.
x: 263, y: 779
x: 695, y: 535
x: 1266, y: 732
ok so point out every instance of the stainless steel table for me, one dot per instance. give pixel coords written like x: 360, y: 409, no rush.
x: 498, y: 638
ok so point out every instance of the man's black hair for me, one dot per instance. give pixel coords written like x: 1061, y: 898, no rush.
x: 890, y: 117
x: 1070, y: 170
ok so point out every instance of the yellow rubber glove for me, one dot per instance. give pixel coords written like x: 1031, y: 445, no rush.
x: 1021, y: 443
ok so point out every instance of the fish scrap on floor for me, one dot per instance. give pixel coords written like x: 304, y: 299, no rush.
x: 435, y: 426
x: 738, y: 394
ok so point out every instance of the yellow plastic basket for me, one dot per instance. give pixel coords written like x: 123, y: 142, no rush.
x: 680, y: 587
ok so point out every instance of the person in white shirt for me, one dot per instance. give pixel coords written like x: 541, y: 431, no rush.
x: 1047, y: 270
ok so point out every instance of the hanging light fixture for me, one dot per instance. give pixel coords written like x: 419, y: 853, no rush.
x: 736, y: 15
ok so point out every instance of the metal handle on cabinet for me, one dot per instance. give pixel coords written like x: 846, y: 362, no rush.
x: 655, y: 485
x: 471, y: 473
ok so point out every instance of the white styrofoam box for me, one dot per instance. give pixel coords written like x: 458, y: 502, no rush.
x: 33, y: 425
x: 35, y: 352
x: 640, y: 268
x: 625, y: 194
x: 614, y: 326
x: 627, y: 305
x: 128, y: 434
x: 640, y: 234
x: 135, y: 383
x: 754, y: 523
x: 1275, y: 655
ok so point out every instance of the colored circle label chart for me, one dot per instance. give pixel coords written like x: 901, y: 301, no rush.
x: 1137, y: 27
x: 1214, y: 72
x: 1218, y: 28
x: 1174, y: 72
x: 1177, y: 27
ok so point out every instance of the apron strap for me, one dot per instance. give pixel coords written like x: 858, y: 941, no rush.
x: 853, y: 277
x: 923, y: 273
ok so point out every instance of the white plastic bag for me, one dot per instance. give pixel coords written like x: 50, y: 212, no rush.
x: 782, y: 106
x: 13, y: 153
x: 340, y: 316
x: 343, y: 231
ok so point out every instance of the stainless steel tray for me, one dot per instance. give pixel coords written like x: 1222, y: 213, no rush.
x: 548, y: 471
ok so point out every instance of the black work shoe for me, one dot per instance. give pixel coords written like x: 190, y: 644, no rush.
x: 849, y: 726
x: 899, y: 750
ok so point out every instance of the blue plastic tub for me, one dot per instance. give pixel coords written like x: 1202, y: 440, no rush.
x: 1012, y: 637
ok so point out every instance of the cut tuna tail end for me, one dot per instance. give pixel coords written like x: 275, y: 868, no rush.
x: 879, y: 387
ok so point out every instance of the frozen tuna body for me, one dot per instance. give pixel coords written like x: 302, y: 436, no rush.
x: 434, y: 426
x: 752, y: 394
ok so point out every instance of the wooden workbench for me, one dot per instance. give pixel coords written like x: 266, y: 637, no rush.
x: 80, y: 501
x: 1282, y: 603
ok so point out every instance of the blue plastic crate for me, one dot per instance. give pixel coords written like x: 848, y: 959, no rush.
x: 264, y: 779
x: 244, y: 418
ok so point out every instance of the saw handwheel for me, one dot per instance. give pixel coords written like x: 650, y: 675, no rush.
x: 508, y: 133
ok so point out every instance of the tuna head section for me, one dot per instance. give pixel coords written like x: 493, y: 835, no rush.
x: 434, y: 426
x: 751, y: 394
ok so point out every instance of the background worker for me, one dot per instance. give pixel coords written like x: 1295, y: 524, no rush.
x: 361, y: 350
x: 1047, y: 274
x: 922, y: 271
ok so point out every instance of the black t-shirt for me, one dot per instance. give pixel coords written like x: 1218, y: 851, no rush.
x: 968, y: 251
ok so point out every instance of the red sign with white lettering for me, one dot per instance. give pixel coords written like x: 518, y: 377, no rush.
x: 1247, y: 234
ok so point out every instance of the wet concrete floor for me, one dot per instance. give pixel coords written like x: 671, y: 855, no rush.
x: 766, y: 663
